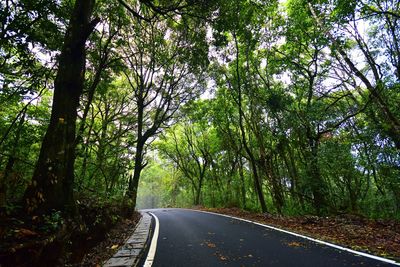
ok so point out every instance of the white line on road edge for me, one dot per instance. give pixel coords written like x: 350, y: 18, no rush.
x: 308, y: 238
x: 153, y: 245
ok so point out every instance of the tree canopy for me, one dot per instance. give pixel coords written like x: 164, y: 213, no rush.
x: 288, y: 107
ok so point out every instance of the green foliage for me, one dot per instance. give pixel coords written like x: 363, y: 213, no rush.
x: 315, y: 149
x: 52, y: 222
x: 302, y: 94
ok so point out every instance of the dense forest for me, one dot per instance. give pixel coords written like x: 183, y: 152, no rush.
x: 289, y: 107
x: 300, y: 113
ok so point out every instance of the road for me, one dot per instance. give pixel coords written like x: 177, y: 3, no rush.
x: 191, y: 238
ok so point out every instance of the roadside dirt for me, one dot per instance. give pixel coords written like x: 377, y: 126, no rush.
x: 377, y: 237
x: 53, y: 241
x: 115, y: 238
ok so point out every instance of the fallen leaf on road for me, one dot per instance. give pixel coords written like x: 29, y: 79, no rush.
x: 354, y: 231
x: 210, y: 245
x: 294, y: 244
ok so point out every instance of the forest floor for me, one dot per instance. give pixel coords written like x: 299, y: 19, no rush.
x: 115, y: 238
x: 377, y: 237
x: 50, y: 241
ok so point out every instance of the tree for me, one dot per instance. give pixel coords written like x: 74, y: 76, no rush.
x: 163, y: 75
x: 380, y: 83
x: 299, y: 115
x: 104, y: 157
x: 189, y: 149
x: 53, y: 178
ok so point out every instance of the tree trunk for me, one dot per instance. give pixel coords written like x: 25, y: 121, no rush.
x: 257, y: 182
x: 85, y: 151
x: 291, y: 169
x: 53, y: 178
x: 134, y: 180
x: 317, y: 185
x: 277, y: 192
x: 200, y: 185
x: 100, y: 155
x: 243, y: 185
x: 197, y: 197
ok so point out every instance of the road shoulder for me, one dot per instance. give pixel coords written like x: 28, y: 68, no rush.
x: 132, y: 252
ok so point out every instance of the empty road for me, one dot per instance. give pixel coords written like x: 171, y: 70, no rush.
x: 191, y: 238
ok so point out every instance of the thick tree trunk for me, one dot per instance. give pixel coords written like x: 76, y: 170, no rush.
x: 53, y: 178
x: 200, y: 185
x: 141, y: 140
x: 197, y: 198
x: 134, y: 180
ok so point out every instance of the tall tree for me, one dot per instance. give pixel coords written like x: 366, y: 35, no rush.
x: 163, y: 75
x: 53, y: 178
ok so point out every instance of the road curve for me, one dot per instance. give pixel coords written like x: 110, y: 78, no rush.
x: 191, y: 238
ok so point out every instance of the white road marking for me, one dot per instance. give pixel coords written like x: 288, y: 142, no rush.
x: 153, y: 246
x: 308, y: 238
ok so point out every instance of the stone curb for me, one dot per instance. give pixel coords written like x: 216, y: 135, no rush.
x: 130, y: 253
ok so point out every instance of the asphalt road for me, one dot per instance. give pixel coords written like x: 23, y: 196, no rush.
x: 190, y: 239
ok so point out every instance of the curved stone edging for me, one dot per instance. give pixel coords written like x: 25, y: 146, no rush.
x: 130, y: 253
